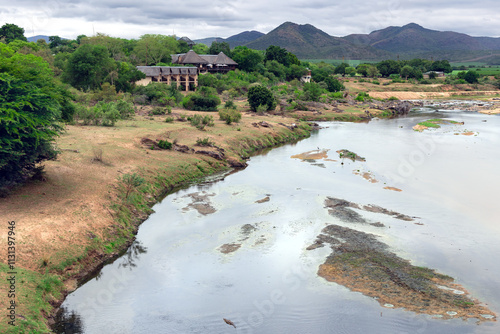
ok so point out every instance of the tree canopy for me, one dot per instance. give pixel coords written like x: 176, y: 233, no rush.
x: 12, y: 32
x: 30, y: 105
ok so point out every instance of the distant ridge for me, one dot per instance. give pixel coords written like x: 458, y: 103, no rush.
x: 307, y: 41
x: 243, y: 38
x: 234, y: 41
x: 37, y: 37
x: 414, y: 40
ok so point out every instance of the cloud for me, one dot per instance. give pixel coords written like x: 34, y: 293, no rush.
x: 223, y: 18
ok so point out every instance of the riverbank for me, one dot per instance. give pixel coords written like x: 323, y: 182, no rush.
x: 86, y: 208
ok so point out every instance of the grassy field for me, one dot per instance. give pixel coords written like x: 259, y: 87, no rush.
x: 492, y: 70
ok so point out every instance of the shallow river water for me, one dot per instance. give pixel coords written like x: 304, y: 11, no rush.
x: 175, y: 279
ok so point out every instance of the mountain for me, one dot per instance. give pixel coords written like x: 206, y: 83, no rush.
x: 234, y: 41
x: 37, y: 37
x: 414, y: 40
x: 307, y: 41
x: 243, y: 38
x: 208, y: 41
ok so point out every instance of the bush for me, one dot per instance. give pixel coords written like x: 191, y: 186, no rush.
x: 312, y: 91
x: 363, y: 96
x: 201, y: 103
x: 200, y: 121
x: 165, y: 145
x: 126, y: 109
x: 229, y: 116
x: 204, y: 142
x: 230, y: 104
x: 334, y: 85
x: 260, y: 95
x: 169, y: 119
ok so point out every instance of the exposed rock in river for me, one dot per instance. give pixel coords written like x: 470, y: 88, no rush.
x: 362, y: 263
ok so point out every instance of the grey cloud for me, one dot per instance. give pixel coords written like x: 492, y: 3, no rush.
x: 226, y: 17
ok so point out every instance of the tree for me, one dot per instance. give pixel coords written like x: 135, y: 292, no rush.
x: 218, y: 47
x: 88, y: 66
x: 29, y: 110
x: 12, y: 32
x: 442, y: 66
x: 200, y: 49
x: 372, y: 71
x: 312, y: 91
x: 274, y: 52
x: 406, y: 71
x: 260, y: 95
x: 471, y: 77
x: 154, y: 49
x: 246, y: 58
x: 341, y: 69
x: 333, y: 85
x: 128, y: 74
x: 362, y: 69
x: 388, y: 67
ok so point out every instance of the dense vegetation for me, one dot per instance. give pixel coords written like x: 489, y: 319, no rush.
x: 90, y: 81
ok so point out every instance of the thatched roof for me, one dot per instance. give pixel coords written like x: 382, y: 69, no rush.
x: 222, y: 59
x: 155, y: 71
x: 190, y: 57
x: 193, y: 58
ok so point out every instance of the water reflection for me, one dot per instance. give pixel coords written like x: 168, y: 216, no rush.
x: 128, y: 260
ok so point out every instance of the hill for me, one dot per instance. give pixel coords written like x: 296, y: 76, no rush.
x: 37, y: 37
x: 243, y: 38
x: 208, y: 41
x: 414, y: 40
x: 307, y: 41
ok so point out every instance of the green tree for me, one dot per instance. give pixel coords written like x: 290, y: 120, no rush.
x: 274, y: 52
x: 200, y: 49
x: 29, y: 110
x: 312, y: 91
x: 341, y: 69
x: 362, y: 69
x: 471, y: 77
x: 128, y: 74
x: 372, y: 71
x: 246, y: 58
x: 441, y: 66
x: 388, y: 67
x: 88, y: 66
x: 406, y: 71
x: 154, y: 49
x: 333, y: 85
x: 12, y: 32
x: 218, y: 47
x: 260, y: 95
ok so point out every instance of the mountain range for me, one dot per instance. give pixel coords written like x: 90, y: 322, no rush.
x: 408, y: 41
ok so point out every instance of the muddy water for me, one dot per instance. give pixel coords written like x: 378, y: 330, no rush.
x: 236, y: 248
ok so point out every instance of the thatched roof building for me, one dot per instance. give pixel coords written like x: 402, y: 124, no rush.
x: 206, y: 63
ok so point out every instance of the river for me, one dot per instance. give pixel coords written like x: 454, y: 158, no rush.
x: 234, y: 247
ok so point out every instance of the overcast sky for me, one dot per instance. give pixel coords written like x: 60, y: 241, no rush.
x: 223, y: 18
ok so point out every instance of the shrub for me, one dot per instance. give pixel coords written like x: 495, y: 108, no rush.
x: 130, y: 182
x: 362, y: 96
x: 165, y: 144
x: 157, y: 111
x: 169, y: 119
x: 261, y: 96
x: 230, y: 104
x: 204, y: 142
x: 312, y: 91
x: 201, y: 103
x: 200, y: 122
x: 126, y: 109
x: 229, y: 116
